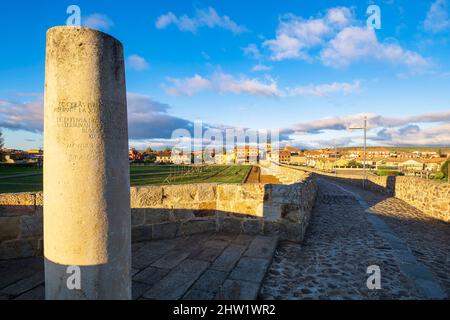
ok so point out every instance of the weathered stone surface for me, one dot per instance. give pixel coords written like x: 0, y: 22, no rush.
x: 141, y: 233
x: 238, y: 290
x: 166, y: 230
x: 24, y: 285
x: 210, y: 281
x: 252, y: 226
x: 262, y: 247
x: 155, y: 215
x: 37, y: 293
x: 151, y: 275
x: 229, y: 257
x: 182, y: 214
x: 179, y: 194
x: 9, y: 228
x: 171, y: 259
x: 198, y: 226
x: 206, y: 193
x: 250, y: 269
x: 31, y: 226
x: 146, y: 197
x: 87, y: 220
x: 13, y: 249
x: 232, y: 225
x: 178, y: 281
x: 137, y: 217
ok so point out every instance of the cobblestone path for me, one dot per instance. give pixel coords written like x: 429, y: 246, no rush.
x: 343, y: 240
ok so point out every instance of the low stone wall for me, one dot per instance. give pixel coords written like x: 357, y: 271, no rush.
x: 431, y: 197
x: 178, y: 210
x: 20, y: 225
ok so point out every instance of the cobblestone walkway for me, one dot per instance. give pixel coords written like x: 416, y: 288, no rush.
x: 343, y: 240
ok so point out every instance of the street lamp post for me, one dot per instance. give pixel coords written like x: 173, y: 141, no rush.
x: 364, y: 127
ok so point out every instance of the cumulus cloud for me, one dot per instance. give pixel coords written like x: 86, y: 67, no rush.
x: 222, y: 83
x: 98, y: 21
x: 437, y: 18
x: 296, y: 35
x: 387, y: 130
x: 27, y: 116
x: 323, y: 90
x: 360, y: 43
x: 208, y: 18
x: 137, y: 63
x: 336, y: 39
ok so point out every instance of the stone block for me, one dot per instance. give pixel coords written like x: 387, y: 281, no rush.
x: 166, y: 230
x: 210, y: 281
x: 9, y: 228
x: 150, y: 275
x: 206, y: 193
x: 262, y: 247
x: 141, y: 233
x: 238, y: 290
x: 146, y: 197
x: 157, y: 215
x: 178, y: 281
x: 197, y: 226
x: 31, y: 226
x: 252, y: 226
x: 177, y: 194
x: 182, y: 214
x: 250, y: 269
x: 21, y: 248
x: 226, y: 192
x: 137, y: 217
x: 231, y: 225
x: 229, y: 257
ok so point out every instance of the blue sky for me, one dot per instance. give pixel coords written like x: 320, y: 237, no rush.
x: 308, y: 68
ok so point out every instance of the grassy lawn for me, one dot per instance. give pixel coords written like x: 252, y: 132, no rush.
x: 139, y: 176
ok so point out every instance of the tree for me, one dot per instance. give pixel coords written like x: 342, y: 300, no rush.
x: 444, y: 168
x: 149, y: 150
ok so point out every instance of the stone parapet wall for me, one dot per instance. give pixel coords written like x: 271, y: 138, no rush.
x: 431, y: 197
x: 178, y: 210
x: 20, y: 225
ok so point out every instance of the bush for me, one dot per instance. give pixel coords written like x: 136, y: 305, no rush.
x: 390, y: 173
x: 439, y: 175
x: 444, y: 168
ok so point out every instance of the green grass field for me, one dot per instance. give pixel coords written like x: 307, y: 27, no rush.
x: 16, y: 179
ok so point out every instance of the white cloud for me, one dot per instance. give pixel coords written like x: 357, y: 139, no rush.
x: 359, y: 43
x: 222, y: 83
x: 437, y: 19
x: 188, y: 86
x: 203, y: 18
x: 337, y: 40
x: 322, y: 90
x: 261, y: 67
x: 296, y: 35
x: 98, y: 21
x: 137, y: 62
x: 252, y: 51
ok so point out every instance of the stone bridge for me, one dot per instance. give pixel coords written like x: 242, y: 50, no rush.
x: 312, y: 238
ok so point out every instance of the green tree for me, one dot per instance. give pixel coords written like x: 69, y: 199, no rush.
x: 444, y: 168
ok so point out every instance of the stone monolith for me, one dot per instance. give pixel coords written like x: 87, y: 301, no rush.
x: 86, y: 171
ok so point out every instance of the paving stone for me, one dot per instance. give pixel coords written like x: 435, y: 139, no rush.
x: 198, y: 295
x: 37, y: 293
x: 177, y: 282
x: 151, y: 275
x: 262, y: 247
x: 238, y: 290
x: 210, y: 281
x: 138, y: 289
x: 243, y: 239
x: 171, y: 259
x: 24, y: 285
x: 250, y: 269
x: 206, y: 254
x: 229, y: 257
